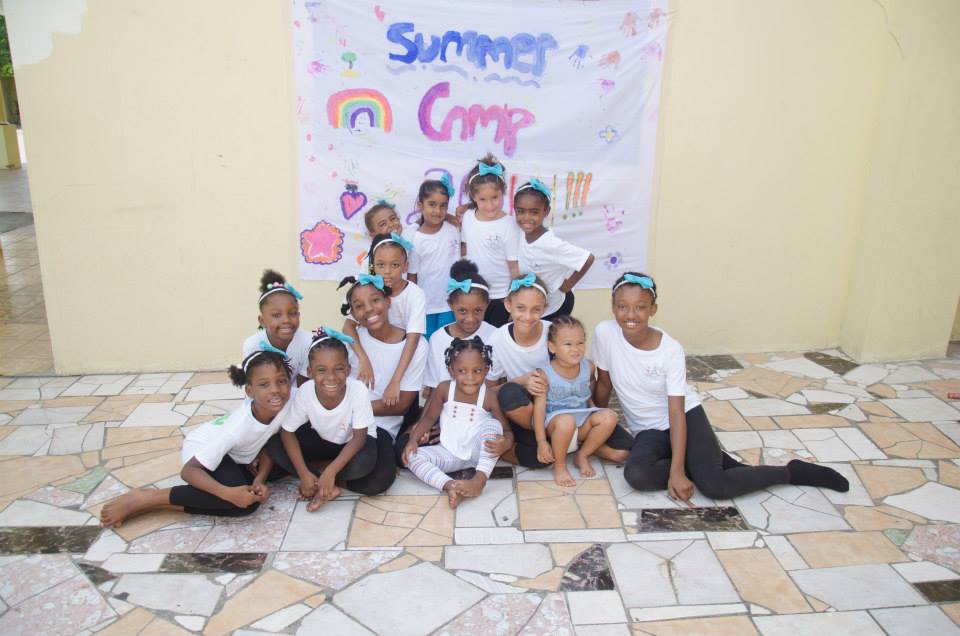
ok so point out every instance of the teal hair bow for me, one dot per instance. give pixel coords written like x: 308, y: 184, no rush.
x: 269, y: 348
x: 644, y: 281
x: 538, y: 185
x: 527, y: 281
x: 326, y: 332
x: 402, y: 242
x: 386, y: 203
x: 462, y: 285
x: 290, y: 288
x: 495, y: 169
x: 448, y: 184
x: 371, y: 279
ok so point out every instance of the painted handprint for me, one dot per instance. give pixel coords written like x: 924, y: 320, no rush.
x: 653, y: 20
x: 610, y: 59
x: 578, y: 56
x: 629, y: 24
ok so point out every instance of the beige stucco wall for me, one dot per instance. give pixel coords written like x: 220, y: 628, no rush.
x: 803, y: 178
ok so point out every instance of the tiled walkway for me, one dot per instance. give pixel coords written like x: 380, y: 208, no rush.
x: 526, y: 557
x: 24, y: 338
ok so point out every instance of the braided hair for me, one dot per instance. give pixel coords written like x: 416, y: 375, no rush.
x: 459, y: 345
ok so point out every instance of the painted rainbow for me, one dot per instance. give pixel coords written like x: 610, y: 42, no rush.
x: 344, y: 108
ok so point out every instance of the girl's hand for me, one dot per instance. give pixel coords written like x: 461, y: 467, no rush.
x: 680, y: 488
x: 391, y: 395
x: 462, y: 209
x: 326, y: 488
x: 537, y: 383
x: 545, y: 453
x: 409, y: 451
x: 365, y: 373
x: 243, y: 496
x: 432, y: 436
x: 260, y: 489
x: 498, y: 445
x: 308, y: 487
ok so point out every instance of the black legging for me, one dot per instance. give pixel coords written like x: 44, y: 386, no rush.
x: 384, y: 471
x: 565, y: 309
x: 715, y: 474
x: 200, y: 502
x: 313, y: 447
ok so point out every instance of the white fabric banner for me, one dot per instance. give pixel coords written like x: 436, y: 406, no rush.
x: 393, y: 93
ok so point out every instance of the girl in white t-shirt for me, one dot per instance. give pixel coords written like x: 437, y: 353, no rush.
x: 408, y: 310
x: 338, y: 418
x: 467, y: 297
x: 559, y: 264
x: 672, y: 435
x: 224, y: 463
x: 471, y: 425
x: 488, y: 236
x: 436, y: 243
x: 368, y: 301
x: 382, y: 218
x: 280, y: 324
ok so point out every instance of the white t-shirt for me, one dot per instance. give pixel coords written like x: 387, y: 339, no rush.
x: 553, y: 260
x: 297, y: 350
x: 643, y: 379
x: 439, y: 341
x: 384, y: 358
x: 510, y: 360
x: 437, y: 252
x: 490, y: 244
x: 408, y: 310
x: 239, y: 435
x: 334, y: 425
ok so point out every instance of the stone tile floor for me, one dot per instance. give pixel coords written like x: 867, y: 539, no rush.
x: 527, y: 557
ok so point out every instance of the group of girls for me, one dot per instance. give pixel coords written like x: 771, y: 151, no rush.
x: 469, y: 312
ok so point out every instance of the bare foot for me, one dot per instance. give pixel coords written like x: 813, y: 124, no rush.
x: 318, y: 501
x: 132, y: 503
x: 582, y: 462
x: 453, y: 495
x: 561, y: 475
x: 472, y: 487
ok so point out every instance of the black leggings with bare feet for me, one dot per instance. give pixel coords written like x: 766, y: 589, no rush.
x: 314, y: 447
x: 715, y: 474
x: 200, y: 502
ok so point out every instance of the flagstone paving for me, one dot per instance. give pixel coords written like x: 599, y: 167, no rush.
x: 527, y: 557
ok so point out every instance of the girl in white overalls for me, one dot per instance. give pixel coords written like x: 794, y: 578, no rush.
x: 473, y: 429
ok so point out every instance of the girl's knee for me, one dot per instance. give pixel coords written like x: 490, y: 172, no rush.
x: 641, y: 477
x: 562, y: 424
x: 608, y: 418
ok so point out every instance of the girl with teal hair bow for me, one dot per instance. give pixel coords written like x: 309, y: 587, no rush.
x: 279, y: 320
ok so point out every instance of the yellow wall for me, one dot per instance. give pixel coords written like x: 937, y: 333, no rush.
x: 804, y: 180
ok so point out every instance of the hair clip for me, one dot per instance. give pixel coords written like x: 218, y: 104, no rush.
x: 464, y: 285
x: 284, y: 287
x: 326, y: 333
x: 538, y: 185
x: 371, y: 279
x: 448, y: 184
x: 632, y: 279
x: 530, y: 280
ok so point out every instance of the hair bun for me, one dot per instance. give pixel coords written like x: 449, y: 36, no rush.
x: 270, y: 277
x: 464, y: 269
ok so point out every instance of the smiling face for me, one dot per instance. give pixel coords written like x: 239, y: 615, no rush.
x: 390, y: 261
x: 269, y: 388
x: 526, y: 306
x: 280, y: 318
x: 384, y: 221
x: 633, y: 307
x: 488, y: 197
x: 329, y: 369
x: 468, y: 311
x: 469, y: 370
x: 369, y: 307
x: 569, y: 344
x: 530, y: 211
x: 434, y: 208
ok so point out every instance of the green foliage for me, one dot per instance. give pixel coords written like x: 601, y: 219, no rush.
x: 6, y: 65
